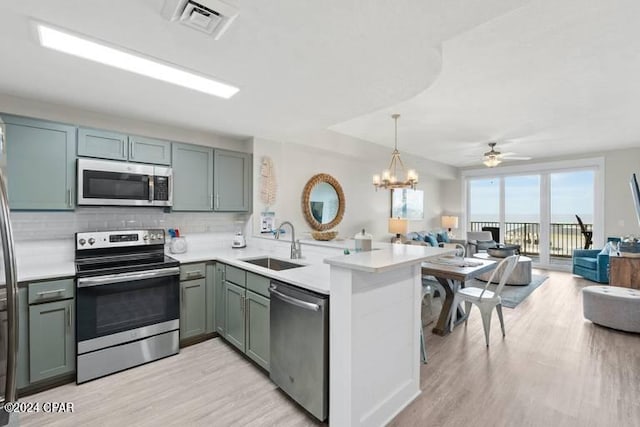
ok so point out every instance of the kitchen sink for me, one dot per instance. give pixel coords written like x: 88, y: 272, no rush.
x: 273, y: 263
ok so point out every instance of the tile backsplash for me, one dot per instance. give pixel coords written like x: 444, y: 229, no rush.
x: 62, y: 225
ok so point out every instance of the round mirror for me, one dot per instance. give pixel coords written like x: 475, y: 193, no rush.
x: 323, y: 202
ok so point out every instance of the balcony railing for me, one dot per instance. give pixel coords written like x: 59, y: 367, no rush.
x: 564, y: 237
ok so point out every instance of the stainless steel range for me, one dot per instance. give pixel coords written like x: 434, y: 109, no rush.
x: 127, y: 301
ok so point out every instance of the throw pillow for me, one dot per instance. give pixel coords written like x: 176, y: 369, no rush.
x: 443, y: 237
x: 606, y: 250
x: 431, y: 239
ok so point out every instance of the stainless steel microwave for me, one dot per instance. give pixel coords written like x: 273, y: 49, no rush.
x: 103, y: 182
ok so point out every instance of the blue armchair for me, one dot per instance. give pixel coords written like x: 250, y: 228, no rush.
x: 592, y: 265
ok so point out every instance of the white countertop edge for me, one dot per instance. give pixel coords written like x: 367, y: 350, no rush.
x: 387, y: 259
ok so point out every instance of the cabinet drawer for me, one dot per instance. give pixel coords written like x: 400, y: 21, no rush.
x: 50, y: 290
x: 258, y: 284
x: 236, y: 275
x: 193, y: 271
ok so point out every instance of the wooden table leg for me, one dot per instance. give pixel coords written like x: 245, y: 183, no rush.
x: 442, y: 326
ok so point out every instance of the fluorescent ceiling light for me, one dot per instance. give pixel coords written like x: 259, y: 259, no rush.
x: 116, y: 57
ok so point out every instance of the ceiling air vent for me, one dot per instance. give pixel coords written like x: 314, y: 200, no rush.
x: 209, y: 16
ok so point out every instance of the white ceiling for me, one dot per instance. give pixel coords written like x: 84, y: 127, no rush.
x: 548, y: 77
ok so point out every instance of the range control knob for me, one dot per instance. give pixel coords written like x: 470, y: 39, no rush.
x: 82, y: 242
x: 92, y: 240
x: 146, y: 237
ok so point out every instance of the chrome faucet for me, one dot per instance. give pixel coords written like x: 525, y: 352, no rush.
x: 296, y: 250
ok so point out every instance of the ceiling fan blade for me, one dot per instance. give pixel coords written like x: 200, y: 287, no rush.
x: 516, y: 158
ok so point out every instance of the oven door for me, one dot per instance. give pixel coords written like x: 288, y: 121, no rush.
x: 101, y: 182
x: 119, y: 308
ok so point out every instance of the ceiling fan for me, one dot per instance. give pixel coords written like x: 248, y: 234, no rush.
x: 493, y: 157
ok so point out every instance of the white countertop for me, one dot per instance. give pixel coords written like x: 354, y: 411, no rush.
x: 313, y: 276
x: 387, y: 258
x: 41, y: 260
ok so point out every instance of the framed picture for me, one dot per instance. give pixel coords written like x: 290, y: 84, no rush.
x: 407, y: 204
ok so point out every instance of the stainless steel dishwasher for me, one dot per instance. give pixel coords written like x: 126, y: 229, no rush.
x: 300, y: 346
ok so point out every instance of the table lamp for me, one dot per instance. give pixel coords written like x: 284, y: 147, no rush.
x: 449, y: 222
x: 398, y: 226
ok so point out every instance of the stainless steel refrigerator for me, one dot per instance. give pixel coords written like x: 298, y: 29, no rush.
x: 8, y: 301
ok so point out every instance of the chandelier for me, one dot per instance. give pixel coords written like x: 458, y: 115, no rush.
x: 395, y: 176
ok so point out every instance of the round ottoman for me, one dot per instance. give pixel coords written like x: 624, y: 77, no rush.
x: 612, y: 306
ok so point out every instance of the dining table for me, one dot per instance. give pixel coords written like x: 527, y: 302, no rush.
x: 452, y: 273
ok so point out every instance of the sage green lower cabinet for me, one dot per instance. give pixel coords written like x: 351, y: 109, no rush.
x: 22, y: 377
x: 242, y: 314
x: 51, y: 339
x: 193, y: 306
x: 219, y: 299
x: 211, y: 298
x: 234, y: 314
x: 257, y: 318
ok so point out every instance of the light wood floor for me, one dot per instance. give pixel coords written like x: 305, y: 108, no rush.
x: 553, y: 369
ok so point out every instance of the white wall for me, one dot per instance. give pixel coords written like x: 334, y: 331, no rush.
x: 295, y: 164
x: 619, y: 213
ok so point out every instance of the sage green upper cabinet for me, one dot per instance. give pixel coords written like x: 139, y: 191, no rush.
x: 40, y: 164
x: 232, y: 181
x: 105, y: 144
x: 149, y: 150
x: 102, y: 144
x: 192, y: 177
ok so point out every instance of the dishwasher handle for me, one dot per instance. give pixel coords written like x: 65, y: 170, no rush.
x: 273, y: 290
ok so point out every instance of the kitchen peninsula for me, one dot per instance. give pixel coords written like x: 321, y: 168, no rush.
x: 374, y: 342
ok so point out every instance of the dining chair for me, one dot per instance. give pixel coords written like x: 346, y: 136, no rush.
x: 429, y: 286
x: 485, y: 299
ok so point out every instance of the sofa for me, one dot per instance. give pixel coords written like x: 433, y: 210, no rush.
x: 436, y: 238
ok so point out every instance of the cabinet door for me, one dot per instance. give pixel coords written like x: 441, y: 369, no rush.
x: 102, y: 144
x: 149, y: 150
x: 40, y: 164
x: 234, y: 314
x: 22, y: 379
x: 192, y: 177
x: 257, y: 340
x: 211, y: 298
x: 232, y: 181
x: 219, y: 299
x: 192, y: 308
x: 51, y: 340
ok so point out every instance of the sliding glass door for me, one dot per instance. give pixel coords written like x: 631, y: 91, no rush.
x: 536, y: 210
x: 522, y: 212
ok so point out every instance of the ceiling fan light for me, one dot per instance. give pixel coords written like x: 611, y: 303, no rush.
x: 492, y: 161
